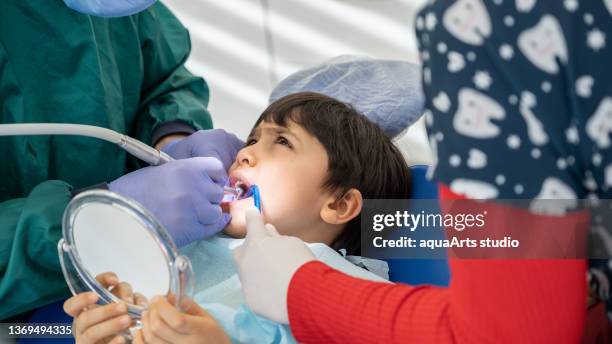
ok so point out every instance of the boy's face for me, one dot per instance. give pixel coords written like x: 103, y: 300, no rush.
x: 289, y: 166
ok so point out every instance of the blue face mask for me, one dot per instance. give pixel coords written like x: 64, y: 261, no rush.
x: 109, y: 8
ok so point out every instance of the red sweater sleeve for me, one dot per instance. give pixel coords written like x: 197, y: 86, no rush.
x: 488, y: 301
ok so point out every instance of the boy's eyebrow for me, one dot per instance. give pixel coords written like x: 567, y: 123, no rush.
x: 276, y: 130
x: 285, y: 130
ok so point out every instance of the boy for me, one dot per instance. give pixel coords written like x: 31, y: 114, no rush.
x: 314, y: 159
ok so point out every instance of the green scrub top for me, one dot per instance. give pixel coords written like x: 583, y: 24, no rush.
x: 61, y: 66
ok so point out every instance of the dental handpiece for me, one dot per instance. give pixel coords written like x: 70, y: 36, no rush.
x: 234, y: 193
x: 231, y: 194
x: 132, y: 146
x: 136, y: 148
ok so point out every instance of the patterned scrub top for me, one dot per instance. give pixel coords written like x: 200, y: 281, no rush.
x: 519, y: 104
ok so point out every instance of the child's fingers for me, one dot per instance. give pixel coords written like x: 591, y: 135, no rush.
x: 118, y: 339
x: 170, y: 297
x: 186, y: 303
x: 196, y: 310
x: 107, y: 279
x: 161, y: 329
x: 170, y: 315
x: 181, y: 323
x: 105, y: 329
x: 100, y: 314
x: 140, y: 299
x: 164, y: 321
x: 123, y: 291
x: 76, y: 304
x: 147, y: 332
x: 138, y: 339
x: 144, y: 319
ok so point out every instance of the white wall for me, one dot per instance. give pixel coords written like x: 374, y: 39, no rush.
x: 244, y: 47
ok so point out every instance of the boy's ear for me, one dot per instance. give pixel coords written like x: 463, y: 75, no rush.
x: 340, y: 211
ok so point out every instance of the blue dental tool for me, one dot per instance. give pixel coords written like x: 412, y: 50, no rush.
x: 235, y: 193
x: 256, y: 198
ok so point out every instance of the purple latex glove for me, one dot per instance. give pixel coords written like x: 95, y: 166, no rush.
x: 184, y: 195
x: 216, y: 143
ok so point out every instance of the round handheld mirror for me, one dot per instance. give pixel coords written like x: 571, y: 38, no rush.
x: 104, y: 233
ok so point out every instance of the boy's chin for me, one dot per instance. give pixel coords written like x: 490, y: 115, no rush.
x: 235, y: 229
x: 237, y: 226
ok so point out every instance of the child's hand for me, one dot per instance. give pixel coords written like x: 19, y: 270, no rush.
x: 121, y: 290
x: 163, y: 323
x: 96, y: 324
x: 100, y: 324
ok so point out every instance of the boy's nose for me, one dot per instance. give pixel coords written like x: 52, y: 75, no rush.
x: 246, y: 157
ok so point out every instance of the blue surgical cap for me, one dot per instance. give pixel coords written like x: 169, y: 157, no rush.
x: 388, y: 92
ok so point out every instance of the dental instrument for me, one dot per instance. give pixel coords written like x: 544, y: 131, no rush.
x: 234, y: 193
x: 138, y: 149
x: 256, y: 197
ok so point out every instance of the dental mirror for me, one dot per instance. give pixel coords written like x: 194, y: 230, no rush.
x: 105, y: 233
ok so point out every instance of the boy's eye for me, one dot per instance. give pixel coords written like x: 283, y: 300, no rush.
x: 250, y: 141
x: 281, y: 140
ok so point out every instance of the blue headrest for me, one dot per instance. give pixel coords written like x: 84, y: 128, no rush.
x: 422, y: 188
x: 421, y: 271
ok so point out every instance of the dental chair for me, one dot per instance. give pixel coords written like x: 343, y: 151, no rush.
x: 421, y: 271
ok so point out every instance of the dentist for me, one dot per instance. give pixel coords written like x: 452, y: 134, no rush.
x: 125, y: 74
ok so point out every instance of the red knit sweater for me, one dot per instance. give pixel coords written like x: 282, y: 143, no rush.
x: 488, y: 301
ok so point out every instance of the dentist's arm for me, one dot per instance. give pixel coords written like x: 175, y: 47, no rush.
x: 30, y: 227
x: 172, y: 99
x: 495, y: 301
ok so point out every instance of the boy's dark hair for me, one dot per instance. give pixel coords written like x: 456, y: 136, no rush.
x: 360, y: 155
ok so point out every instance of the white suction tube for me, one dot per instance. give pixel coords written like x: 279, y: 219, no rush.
x: 138, y: 149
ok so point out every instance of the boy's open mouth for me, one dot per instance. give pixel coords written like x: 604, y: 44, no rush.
x: 238, y: 181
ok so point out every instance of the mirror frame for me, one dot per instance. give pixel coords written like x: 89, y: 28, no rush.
x: 179, y: 267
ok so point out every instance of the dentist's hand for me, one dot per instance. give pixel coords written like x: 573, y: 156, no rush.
x: 184, y: 195
x: 216, y: 143
x: 266, y: 263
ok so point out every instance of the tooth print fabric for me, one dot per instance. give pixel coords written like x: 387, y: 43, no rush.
x: 519, y: 103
